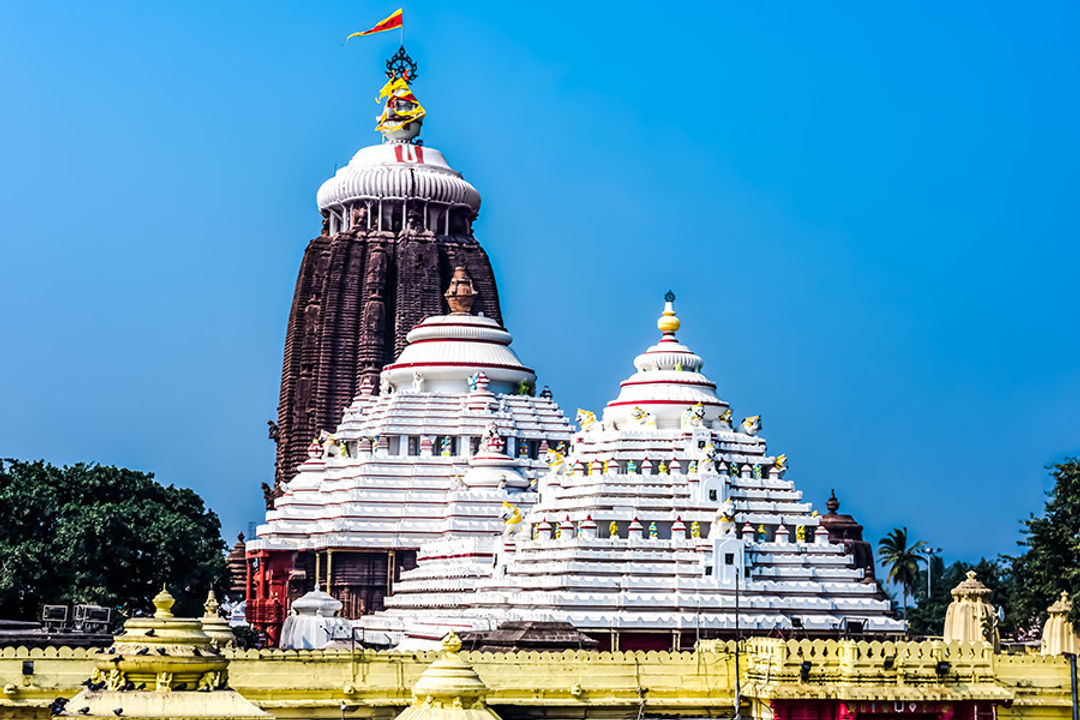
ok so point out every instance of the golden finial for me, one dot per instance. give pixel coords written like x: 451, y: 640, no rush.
x: 668, y: 322
x: 451, y: 644
x: 211, y: 605
x: 163, y: 601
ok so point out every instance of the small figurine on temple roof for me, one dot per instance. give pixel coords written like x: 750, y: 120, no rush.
x: 418, y: 381
x: 587, y: 420
x: 695, y: 529
x: 523, y: 447
x: 780, y: 463
x: 761, y: 532
x: 511, y: 517
x: 474, y: 380
x: 693, y: 417
x: 652, y: 530
x: 491, y: 440
x: 458, y: 483
x: 561, y: 447
x: 751, y: 425
x: 642, y: 417
x: 444, y: 446
x: 329, y: 445
x: 613, y: 529
x: 554, y: 458
x: 692, y: 467
x: 502, y: 482
x: 631, y: 467
x: 757, y: 472
x: 800, y: 533
x: 663, y: 468
x: 607, y: 466
x: 707, y: 457
x: 558, y: 530
x: 725, y: 418
x: 678, y: 367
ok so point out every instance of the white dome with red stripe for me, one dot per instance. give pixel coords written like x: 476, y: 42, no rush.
x: 444, y: 351
x: 668, y: 381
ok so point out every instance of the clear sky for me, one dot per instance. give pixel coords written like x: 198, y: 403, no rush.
x: 868, y: 212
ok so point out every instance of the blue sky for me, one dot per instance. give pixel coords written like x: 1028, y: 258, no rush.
x: 868, y: 213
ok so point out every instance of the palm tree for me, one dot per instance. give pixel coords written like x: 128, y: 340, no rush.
x: 902, y: 560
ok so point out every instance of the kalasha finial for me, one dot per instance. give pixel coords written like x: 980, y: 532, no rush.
x: 163, y: 601
x: 210, y: 607
x: 460, y: 295
x: 668, y: 323
x: 832, y: 504
x: 451, y: 643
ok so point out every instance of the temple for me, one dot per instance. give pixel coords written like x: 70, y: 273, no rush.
x: 452, y: 445
x: 397, y: 220
x: 664, y: 524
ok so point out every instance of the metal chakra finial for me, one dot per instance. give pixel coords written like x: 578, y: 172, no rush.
x: 669, y: 296
x: 401, y: 65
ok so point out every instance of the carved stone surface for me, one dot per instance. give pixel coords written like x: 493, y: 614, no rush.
x: 357, y: 294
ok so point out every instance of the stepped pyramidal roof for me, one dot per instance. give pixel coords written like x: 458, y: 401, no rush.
x: 664, y: 515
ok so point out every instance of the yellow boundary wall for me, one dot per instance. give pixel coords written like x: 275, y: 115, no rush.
x: 315, y: 683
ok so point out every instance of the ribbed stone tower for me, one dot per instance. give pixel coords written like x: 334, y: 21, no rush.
x: 397, y: 220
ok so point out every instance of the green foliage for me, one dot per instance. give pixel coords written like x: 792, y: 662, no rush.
x: 902, y: 560
x: 526, y: 388
x: 246, y: 636
x: 102, y: 535
x: 928, y: 618
x: 1051, y: 562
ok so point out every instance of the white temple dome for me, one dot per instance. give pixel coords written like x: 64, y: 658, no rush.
x: 398, y: 171
x: 667, y: 382
x: 446, y: 350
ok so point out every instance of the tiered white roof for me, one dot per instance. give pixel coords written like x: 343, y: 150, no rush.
x: 658, y: 512
x: 394, y: 171
x: 438, y: 453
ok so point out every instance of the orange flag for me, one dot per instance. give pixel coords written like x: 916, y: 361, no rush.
x: 391, y: 23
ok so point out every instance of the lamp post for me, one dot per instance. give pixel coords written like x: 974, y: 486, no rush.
x: 929, y: 552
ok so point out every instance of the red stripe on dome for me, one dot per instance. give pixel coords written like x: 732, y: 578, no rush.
x: 468, y: 340
x: 667, y: 402
x: 668, y: 352
x: 425, y: 324
x: 496, y: 366
x: 699, y: 383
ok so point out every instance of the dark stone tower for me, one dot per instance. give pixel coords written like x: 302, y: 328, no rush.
x: 396, y: 221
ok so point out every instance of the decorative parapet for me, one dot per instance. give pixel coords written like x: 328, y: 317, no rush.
x: 314, y: 683
x: 875, y: 671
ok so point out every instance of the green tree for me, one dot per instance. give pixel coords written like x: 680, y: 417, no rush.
x: 902, y: 560
x: 928, y: 618
x: 103, y: 535
x: 1051, y: 562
